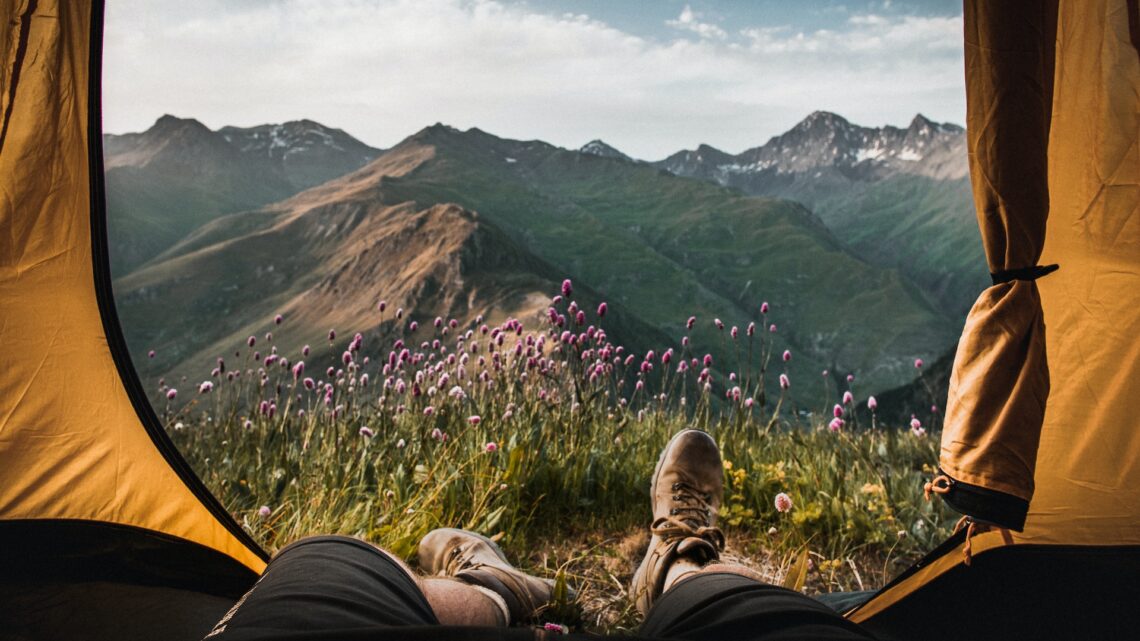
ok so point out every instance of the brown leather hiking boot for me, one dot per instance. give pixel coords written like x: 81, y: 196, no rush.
x: 687, y: 488
x: 477, y: 560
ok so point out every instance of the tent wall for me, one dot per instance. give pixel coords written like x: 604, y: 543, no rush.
x: 1081, y: 537
x: 87, y: 474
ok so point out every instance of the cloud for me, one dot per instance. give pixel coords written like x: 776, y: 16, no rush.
x: 687, y: 21
x: 382, y: 70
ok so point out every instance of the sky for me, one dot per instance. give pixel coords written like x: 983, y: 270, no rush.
x: 649, y: 77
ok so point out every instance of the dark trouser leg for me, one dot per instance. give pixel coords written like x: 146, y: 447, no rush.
x: 322, y: 584
x: 720, y: 606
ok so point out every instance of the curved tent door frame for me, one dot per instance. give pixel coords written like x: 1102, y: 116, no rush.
x: 95, y: 500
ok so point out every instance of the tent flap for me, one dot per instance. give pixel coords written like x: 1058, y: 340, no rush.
x: 1000, y: 382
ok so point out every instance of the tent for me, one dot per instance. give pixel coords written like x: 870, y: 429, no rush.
x: 106, y: 532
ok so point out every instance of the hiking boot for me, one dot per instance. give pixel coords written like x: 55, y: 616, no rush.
x: 477, y: 560
x: 686, y: 491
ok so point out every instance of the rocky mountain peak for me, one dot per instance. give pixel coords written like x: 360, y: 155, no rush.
x: 598, y: 147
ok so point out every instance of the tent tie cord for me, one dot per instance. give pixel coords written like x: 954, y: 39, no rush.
x: 941, y: 485
x: 1023, y: 273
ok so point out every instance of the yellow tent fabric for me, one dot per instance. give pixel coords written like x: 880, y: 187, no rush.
x: 1001, y: 380
x: 1087, y: 495
x: 72, y: 446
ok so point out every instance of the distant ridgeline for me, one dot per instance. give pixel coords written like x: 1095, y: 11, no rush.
x: 862, y: 241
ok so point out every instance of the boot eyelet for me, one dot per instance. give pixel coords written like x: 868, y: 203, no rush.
x: 676, y: 486
x: 673, y: 512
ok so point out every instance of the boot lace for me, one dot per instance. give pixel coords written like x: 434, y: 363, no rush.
x: 690, y: 516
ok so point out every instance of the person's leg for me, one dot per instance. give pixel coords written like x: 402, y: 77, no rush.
x: 682, y: 587
x: 479, y: 563
x: 333, y: 585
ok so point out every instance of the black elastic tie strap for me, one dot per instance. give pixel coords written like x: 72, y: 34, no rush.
x: 1025, y: 273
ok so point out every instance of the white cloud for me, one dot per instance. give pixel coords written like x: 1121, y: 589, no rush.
x: 688, y: 21
x: 381, y: 70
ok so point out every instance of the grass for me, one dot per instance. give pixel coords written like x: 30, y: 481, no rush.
x: 545, y: 440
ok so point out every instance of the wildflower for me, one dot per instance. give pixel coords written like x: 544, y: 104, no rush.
x: 264, y: 511
x: 872, y: 404
x: 748, y: 403
x: 298, y: 369
x: 764, y: 307
x: 850, y: 378
x: 772, y: 531
x: 836, y: 424
x: 502, y: 487
x: 382, y: 305
x: 689, y: 323
x: 914, y: 422
x: 438, y: 322
x: 708, y: 361
x: 901, y: 534
x: 684, y: 341
x: 413, y: 326
x: 556, y: 628
x: 825, y: 373
x: 366, y: 431
x: 933, y: 409
x: 772, y: 328
x: 277, y: 319
x: 848, y: 398
x: 602, y: 309
x: 491, y: 446
x: 400, y: 444
x: 640, y: 415
x: 251, y: 341
x: 332, y: 335
x: 719, y: 324
x: 474, y: 420
x: 787, y: 355
x: 305, y: 351
x: 178, y: 426
x: 150, y: 354
x: 399, y: 313
x: 171, y: 394
x: 784, y: 382
x: 206, y: 387
x: 269, y: 337
x: 837, y: 411
x: 667, y: 356
x: 346, y: 357
x: 567, y: 288
x: 918, y: 363
x: 247, y: 424
x: 308, y: 383
x: 580, y: 318
x: 735, y: 331
x: 783, y: 502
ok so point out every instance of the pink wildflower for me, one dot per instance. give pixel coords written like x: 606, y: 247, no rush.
x: 308, y: 383
x: 413, y: 326
x: 298, y: 369
x: 918, y: 363
x: 206, y: 387
x: 719, y: 324
x: 787, y: 355
x: 850, y: 378
x: 278, y: 319
x: 305, y: 351
x: 437, y: 434
x: 751, y: 329
x: 171, y: 394
x: 784, y: 382
x: 689, y: 323
x: 150, y: 354
x: 836, y: 424
x: 848, y: 398
x: 367, y: 432
x: 602, y: 310
x: 264, y: 511
x: 764, y: 307
x: 399, y: 313
x: 837, y: 411
x: 332, y: 335
x: 872, y: 404
x: 772, y: 328
x: 382, y: 305
x: 567, y: 288
x: 783, y: 502
x: 735, y: 331
x: 491, y: 446
x: 474, y: 420
x: 251, y: 341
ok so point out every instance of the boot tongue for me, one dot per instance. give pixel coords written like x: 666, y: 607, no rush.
x: 696, y: 548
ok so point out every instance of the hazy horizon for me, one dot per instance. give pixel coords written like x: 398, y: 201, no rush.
x: 647, y: 80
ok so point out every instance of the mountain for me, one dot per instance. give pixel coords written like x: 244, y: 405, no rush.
x: 599, y: 148
x: 657, y: 247
x: 899, y: 197
x: 177, y: 175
